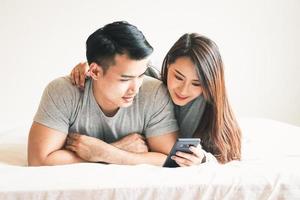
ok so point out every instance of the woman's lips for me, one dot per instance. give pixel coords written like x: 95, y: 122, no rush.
x: 180, y: 96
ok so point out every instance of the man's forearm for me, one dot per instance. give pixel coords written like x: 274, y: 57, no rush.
x: 118, y: 156
x: 95, y: 150
x: 61, y: 157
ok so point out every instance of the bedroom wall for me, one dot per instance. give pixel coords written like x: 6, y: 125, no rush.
x: 259, y: 42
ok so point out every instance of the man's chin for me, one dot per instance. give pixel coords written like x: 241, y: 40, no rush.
x: 127, y: 104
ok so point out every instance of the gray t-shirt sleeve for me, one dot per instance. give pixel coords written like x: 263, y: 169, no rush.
x: 161, y: 114
x: 55, y: 107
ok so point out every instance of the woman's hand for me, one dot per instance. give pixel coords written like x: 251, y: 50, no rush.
x: 79, y: 73
x: 187, y: 159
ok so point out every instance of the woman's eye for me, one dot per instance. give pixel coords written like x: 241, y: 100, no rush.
x: 196, y: 84
x: 178, y: 78
x: 124, y: 80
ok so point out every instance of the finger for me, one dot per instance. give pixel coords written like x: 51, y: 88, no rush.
x: 72, y: 77
x: 74, y: 136
x: 181, y: 161
x: 141, y: 141
x: 196, y: 150
x: 82, y: 80
x: 70, y: 136
x: 199, y: 152
x: 68, y: 141
x: 185, y: 155
x: 142, y: 149
x: 191, y: 157
x: 81, y: 69
x: 88, y: 73
x: 85, y: 67
x: 76, y: 76
x: 142, y: 137
x: 181, y: 164
x: 71, y: 148
x: 146, y: 149
x: 135, y: 136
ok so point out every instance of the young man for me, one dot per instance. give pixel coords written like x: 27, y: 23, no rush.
x: 107, y: 121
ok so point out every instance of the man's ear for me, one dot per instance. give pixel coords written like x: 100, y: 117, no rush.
x: 95, y: 71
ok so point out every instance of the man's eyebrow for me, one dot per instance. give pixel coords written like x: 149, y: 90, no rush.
x: 130, y: 76
x: 127, y: 76
x: 183, y: 75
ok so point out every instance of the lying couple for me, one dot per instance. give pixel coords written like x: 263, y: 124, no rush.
x: 119, y: 115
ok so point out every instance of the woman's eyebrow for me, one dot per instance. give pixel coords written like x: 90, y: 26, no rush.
x: 179, y: 72
x: 184, y: 76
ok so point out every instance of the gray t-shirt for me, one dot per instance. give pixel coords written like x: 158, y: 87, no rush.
x: 189, y: 116
x: 65, y: 108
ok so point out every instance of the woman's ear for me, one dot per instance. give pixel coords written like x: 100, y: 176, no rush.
x: 95, y: 71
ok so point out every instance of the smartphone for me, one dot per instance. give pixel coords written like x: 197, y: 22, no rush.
x: 183, y: 145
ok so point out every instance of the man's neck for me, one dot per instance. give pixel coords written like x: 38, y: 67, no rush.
x: 107, y: 107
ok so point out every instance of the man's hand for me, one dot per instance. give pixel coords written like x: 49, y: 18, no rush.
x: 88, y: 148
x: 94, y: 150
x: 133, y: 142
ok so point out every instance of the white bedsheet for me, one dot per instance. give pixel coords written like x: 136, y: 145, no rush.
x: 269, y: 170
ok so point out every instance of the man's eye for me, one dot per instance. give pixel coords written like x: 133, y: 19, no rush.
x: 178, y: 78
x: 124, y: 80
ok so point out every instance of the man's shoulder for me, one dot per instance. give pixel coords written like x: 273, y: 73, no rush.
x: 152, y: 84
x: 64, y: 81
x: 62, y: 84
x: 62, y: 87
x: 153, y: 89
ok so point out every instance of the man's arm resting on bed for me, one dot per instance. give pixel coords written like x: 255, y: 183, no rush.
x: 45, y: 147
x: 95, y: 150
x: 159, y: 147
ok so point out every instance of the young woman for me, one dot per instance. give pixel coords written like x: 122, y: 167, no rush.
x: 194, y: 74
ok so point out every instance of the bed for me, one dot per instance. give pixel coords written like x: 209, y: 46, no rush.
x: 270, y: 169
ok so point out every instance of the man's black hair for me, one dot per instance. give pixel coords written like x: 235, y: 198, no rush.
x: 116, y: 38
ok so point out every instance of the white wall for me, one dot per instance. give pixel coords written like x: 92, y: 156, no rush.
x: 259, y: 40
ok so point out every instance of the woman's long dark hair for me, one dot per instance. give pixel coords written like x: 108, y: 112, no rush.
x: 218, y: 129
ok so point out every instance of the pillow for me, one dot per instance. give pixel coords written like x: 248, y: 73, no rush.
x: 13, y: 154
x: 13, y: 147
x: 269, y: 139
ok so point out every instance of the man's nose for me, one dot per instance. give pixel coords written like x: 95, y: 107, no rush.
x: 136, y: 84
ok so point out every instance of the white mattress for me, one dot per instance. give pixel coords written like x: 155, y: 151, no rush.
x: 269, y: 170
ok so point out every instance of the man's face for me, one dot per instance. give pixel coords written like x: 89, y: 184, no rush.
x: 120, y: 83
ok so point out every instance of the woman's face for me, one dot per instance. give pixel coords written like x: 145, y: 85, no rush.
x: 183, y: 81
